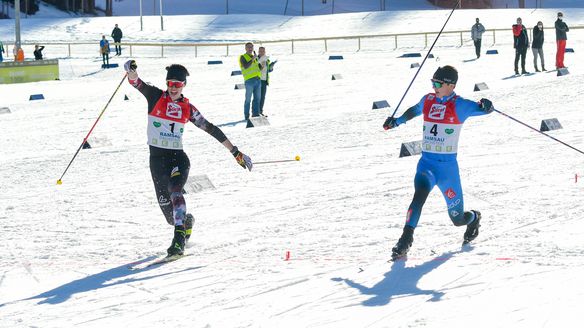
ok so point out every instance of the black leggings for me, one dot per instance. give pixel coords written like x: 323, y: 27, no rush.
x: 170, y: 171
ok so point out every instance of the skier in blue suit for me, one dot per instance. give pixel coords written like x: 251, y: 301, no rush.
x: 444, y: 113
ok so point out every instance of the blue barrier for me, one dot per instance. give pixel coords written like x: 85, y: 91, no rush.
x: 492, y: 52
x: 36, y: 97
x: 335, y: 57
x: 410, y: 55
x: 109, y: 65
x: 214, y: 62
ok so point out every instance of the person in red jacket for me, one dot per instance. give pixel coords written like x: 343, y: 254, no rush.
x: 168, y: 112
x: 520, y: 43
x: 561, y: 37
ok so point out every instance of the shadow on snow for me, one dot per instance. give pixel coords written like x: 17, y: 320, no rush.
x: 97, y: 281
x: 400, y: 281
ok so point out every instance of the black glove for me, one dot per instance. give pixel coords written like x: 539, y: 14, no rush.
x: 241, y: 158
x: 130, y: 66
x: 390, y: 123
x: 486, y: 105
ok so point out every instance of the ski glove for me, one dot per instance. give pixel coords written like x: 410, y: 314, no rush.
x: 390, y: 123
x: 486, y: 105
x: 241, y: 158
x: 130, y: 66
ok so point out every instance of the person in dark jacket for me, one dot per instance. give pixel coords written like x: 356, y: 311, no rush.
x: 38, y: 52
x: 561, y: 37
x: 117, y: 36
x: 537, y: 45
x: 476, y: 33
x: 521, y: 43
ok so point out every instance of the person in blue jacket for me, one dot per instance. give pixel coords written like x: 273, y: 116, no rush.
x: 444, y: 113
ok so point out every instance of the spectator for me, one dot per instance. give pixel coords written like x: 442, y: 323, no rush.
x: 2, y: 51
x: 476, y: 33
x: 537, y: 45
x: 250, y: 70
x: 104, y: 49
x: 521, y: 43
x: 38, y: 52
x: 561, y: 37
x: 264, y: 64
x: 18, y: 53
x: 117, y: 36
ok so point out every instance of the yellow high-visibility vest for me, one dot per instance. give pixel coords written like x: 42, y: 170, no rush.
x: 252, y: 71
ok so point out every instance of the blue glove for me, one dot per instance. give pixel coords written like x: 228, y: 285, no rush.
x: 241, y: 158
x: 486, y: 105
x: 390, y: 123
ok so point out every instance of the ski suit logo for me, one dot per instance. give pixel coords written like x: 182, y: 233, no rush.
x: 450, y: 193
x: 437, y: 112
x: 173, y: 110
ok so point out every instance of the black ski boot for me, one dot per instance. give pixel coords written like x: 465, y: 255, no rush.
x: 189, y: 219
x: 472, y: 229
x: 403, y: 244
x: 178, y: 242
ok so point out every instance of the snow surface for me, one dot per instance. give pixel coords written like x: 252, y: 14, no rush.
x: 66, y: 248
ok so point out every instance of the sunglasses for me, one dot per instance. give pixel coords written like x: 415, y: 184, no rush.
x: 437, y: 84
x: 175, y: 84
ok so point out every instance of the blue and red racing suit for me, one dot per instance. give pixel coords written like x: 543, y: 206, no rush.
x: 443, y: 119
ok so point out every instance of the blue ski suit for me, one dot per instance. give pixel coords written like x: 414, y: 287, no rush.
x: 443, y: 119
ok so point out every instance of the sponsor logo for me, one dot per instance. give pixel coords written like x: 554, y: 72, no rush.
x: 156, y: 124
x: 450, y: 193
x: 173, y: 110
x: 437, y: 112
x: 175, y: 172
x: 449, y: 131
x: 181, y: 130
x: 454, y: 204
x: 163, y: 201
x: 454, y: 213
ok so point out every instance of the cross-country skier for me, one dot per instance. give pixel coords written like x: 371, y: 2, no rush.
x: 168, y: 112
x: 444, y: 113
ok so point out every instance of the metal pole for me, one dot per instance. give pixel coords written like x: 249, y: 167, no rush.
x: 161, y: 19
x: 536, y: 130
x: 17, y: 23
x: 141, y: 25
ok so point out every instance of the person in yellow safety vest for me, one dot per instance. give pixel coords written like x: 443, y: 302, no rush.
x: 250, y: 70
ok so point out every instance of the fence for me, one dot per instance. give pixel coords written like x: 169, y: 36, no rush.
x: 378, y: 42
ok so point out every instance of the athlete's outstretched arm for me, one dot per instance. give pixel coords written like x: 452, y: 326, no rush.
x: 198, y: 120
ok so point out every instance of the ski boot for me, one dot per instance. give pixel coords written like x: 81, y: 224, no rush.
x: 403, y: 245
x: 178, y: 242
x: 189, y: 219
x: 472, y: 229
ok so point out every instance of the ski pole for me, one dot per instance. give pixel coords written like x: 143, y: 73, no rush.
x: 297, y: 158
x: 536, y: 130
x: 94, y: 124
x: 421, y: 65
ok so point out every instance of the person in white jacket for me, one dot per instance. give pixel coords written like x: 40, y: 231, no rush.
x: 264, y: 62
x: 476, y: 33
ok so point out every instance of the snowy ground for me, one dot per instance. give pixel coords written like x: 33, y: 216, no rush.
x: 66, y: 249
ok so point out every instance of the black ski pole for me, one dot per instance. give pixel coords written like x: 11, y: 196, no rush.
x: 94, y: 124
x: 536, y: 130
x: 385, y: 124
